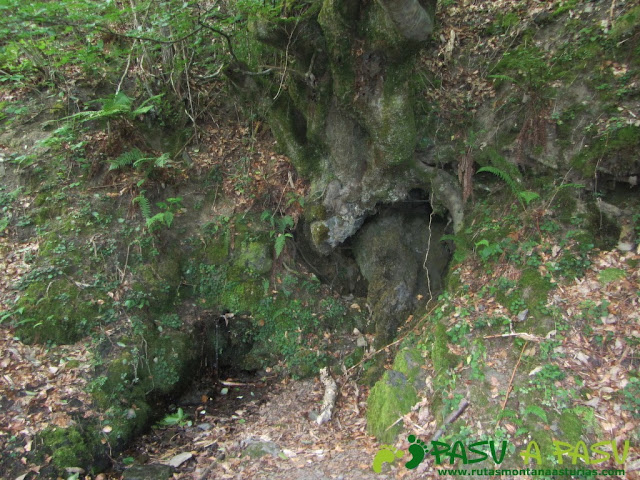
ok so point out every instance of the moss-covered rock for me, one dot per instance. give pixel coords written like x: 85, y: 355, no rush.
x: 389, y: 399
x: 441, y: 358
x: 571, y: 426
x: 158, y: 365
x: 57, y: 311
x: 409, y: 362
x: 170, y: 358
x: 157, y: 284
x: 254, y: 258
x: 217, y: 249
x: 534, y: 289
x: 612, y: 153
x: 69, y: 447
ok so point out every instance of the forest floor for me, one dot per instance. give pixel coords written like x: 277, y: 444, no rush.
x: 43, y: 386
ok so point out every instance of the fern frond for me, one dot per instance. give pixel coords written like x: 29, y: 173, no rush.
x: 285, y: 222
x: 146, y: 105
x: 126, y: 159
x: 145, y: 206
x: 168, y: 218
x: 162, y: 161
x: 159, y: 219
x: 504, y: 176
x: 280, y: 243
x: 139, y: 163
x: 537, y: 411
x: 528, y: 196
x: 506, y: 78
x: 119, y: 103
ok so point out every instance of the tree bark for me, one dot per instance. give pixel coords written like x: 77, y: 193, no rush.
x: 343, y: 110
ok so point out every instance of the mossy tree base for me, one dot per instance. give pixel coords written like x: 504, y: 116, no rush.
x: 344, y: 111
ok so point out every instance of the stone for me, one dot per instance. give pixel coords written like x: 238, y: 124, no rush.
x: 258, y: 448
x: 148, y: 472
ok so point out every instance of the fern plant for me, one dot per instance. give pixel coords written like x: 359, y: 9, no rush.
x: 145, y: 205
x: 116, y: 106
x: 126, y: 159
x: 279, y: 227
x: 524, y: 196
x: 144, y: 164
x: 164, y: 218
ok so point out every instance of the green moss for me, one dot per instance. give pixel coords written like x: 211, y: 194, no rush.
x: 158, y: 282
x: 289, y: 126
x: 169, y: 359
x: 615, y: 148
x: 138, y: 376
x: 241, y: 296
x: 126, y: 421
x: 571, y: 426
x: 390, y: 121
x: 44, y: 214
x: 319, y: 233
x: 217, y: 249
x: 441, y: 357
x: 315, y: 212
x: 565, y: 205
x: 564, y: 7
x: 409, y: 362
x: 335, y: 18
x: 58, y: 311
x: 253, y: 258
x: 119, y: 378
x: 68, y: 448
x: 544, y: 439
x: 533, y: 289
x: 389, y: 400
x: 626, y: 24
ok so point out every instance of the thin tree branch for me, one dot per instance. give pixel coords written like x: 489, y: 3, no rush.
x: 220, y: 32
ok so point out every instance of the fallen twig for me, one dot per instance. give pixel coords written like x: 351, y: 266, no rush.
x: 510, y: 387
x: 525, y: 336
x: 464, y: 403
x: 330, y: 394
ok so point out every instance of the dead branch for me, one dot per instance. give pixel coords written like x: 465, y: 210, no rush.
x: 330, y: 394
x: 453, y: 416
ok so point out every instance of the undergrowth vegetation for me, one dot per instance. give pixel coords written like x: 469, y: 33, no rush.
x: 158, y: 226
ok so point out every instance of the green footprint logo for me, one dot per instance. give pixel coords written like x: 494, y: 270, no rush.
x: 386, y: 454
x: 417, y: 449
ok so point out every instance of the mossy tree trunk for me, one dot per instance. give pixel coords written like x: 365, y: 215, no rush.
x: 342, y: 107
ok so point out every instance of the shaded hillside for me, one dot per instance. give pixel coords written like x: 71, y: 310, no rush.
x: 459, y: 222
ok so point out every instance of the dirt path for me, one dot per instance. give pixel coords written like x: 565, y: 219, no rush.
x: 294, y: 446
